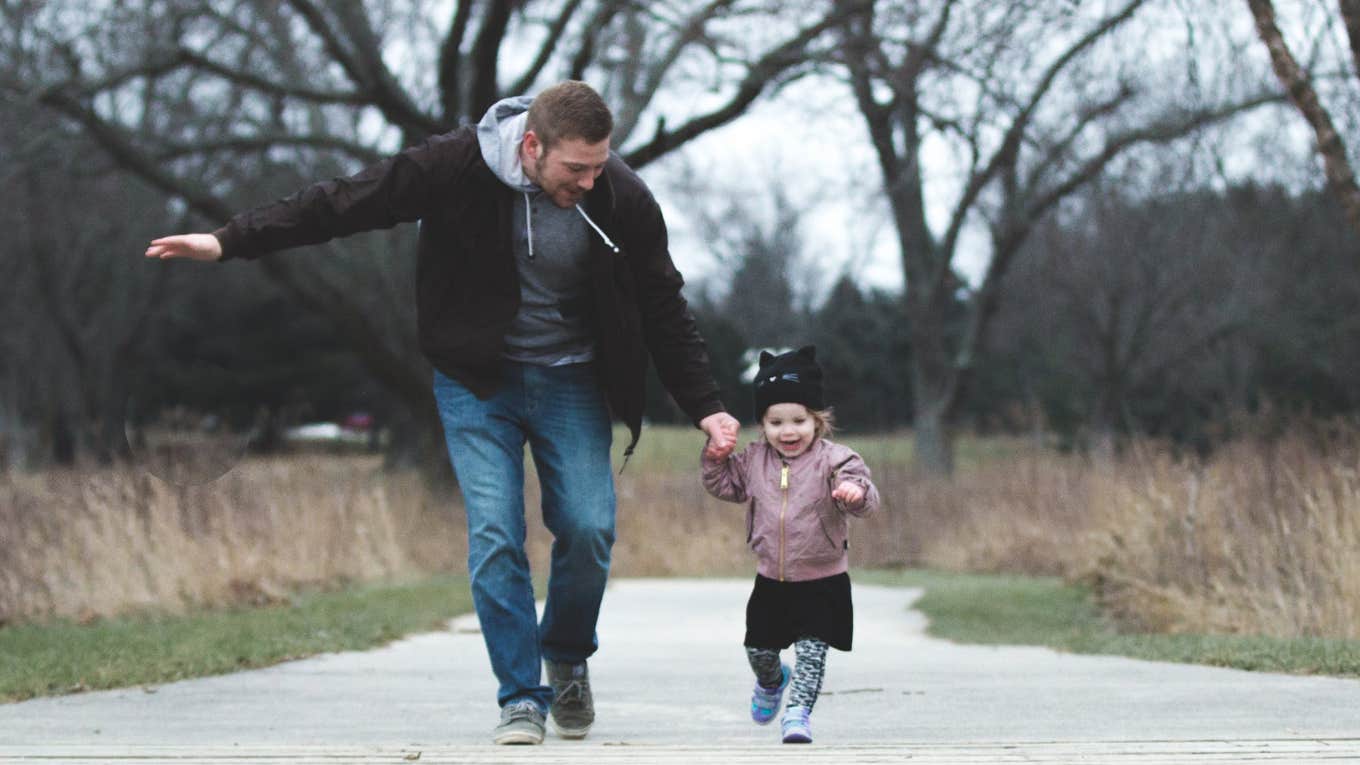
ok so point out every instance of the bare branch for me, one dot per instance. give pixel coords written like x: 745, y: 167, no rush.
x: 762, y: 74
x: 1010, y: 233
x: 1088, y: 116
x: 1168, y: 129
x: 485, y: 90
x: 152, y: 67
x: 41, y: 250
x: 585, y: 54
x: 383, y: 364
x: 1006, y: 155
x: 316, y: 21
x: 125, y: 152
x: 267, y: 86
x: 364, y: 65
x: 918, y: 56
x: 692, y: 30
x: 547, y: 49
x: 387, y: 93
x: 450, y: 61
x: 901, y: 175
x: 264, y: 141
x: 1340, y: 175
x: 1195, y: 348
x: 1350, y: 16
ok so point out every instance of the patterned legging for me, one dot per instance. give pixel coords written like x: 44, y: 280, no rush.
x: 807, y: 670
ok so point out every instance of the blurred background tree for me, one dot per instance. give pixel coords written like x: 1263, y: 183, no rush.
x: 210, y: 107
x: 1101, y: 230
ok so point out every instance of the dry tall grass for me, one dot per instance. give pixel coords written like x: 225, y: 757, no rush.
x: 91, y: 543
x: 1262, y: 538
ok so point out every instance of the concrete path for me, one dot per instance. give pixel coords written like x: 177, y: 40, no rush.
x: 672, y: 685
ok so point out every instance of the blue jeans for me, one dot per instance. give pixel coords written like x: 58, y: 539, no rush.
x: 561, y: 413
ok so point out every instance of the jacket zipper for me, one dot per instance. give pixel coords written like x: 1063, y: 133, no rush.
x: 783, y: 507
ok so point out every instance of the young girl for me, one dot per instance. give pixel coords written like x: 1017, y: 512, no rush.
x: 799, y: 487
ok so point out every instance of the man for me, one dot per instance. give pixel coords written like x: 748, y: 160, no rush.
x: 543, y: 284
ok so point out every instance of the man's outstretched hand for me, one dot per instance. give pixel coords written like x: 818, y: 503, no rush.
x: 192, y: 246
x: 722, y: 429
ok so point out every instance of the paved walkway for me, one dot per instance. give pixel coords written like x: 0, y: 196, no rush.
x: 672, y: 686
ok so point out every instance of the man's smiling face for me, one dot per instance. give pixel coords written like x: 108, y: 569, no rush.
x: 566, y: 171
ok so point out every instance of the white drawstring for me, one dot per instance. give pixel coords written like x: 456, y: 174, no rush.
x: 529, y: 224
x: 598, y: 230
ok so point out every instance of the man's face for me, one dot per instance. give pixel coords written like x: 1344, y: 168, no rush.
x: 566, y: 171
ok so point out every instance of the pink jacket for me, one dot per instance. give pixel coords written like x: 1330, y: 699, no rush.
x: 798, y: 532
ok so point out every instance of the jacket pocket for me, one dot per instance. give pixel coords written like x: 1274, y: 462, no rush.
x: 812, y: 539
x: 835, y: 531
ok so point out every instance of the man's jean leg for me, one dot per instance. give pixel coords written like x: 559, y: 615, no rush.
x: 561, y: 412
x: 570, y: 445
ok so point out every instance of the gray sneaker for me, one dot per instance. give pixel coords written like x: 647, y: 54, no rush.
x: 521, y: 723
x: 573, y: 708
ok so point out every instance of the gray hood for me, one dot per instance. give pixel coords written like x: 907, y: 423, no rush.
x: 499, y: 135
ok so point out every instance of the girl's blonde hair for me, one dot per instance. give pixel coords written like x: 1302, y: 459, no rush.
x: 824, y: 420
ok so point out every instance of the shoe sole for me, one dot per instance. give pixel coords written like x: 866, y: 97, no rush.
x: 798, y: 738
x: 518, y: 737
x: 572, y: 733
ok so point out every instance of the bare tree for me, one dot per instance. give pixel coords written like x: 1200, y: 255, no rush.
x: 74, y: 317
x: 1029, y: 101
x: 215, y: 103
x: 1129, y: 293
x: 761, y: 255
x: 1298, y: 85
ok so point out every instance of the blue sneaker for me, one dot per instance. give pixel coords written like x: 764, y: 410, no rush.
x: 765, y: 701
x: 797, y: 727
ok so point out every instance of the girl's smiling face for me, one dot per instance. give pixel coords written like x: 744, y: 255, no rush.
x: 790, y: 428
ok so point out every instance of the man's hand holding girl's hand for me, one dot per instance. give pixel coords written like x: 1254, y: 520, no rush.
x: 722, y: 429
x: 848, y: 493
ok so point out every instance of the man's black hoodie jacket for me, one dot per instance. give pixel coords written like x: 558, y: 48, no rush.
x: 467, y: 286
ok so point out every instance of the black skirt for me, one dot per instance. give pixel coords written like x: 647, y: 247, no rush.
x: 779, y: 613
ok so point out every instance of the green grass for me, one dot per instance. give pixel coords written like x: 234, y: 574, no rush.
x: 62, y: 657
x: 1014, y: 610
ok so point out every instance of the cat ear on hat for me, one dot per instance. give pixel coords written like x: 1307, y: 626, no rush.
x: 766, y: 357
x: 810, y: 351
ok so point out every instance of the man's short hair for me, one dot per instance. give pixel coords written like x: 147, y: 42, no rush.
x: 569, y: 109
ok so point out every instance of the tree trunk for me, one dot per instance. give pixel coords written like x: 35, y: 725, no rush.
x: 14, y: 440
x: 934, y: 440
x: 1102, y: 442
x: 112, y: 441
x: 1299, y: 87
x: 934, y: 380
x: 416, y: 440
x: 61, y: 438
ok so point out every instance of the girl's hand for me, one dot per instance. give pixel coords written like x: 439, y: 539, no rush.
x: 848, y: 493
